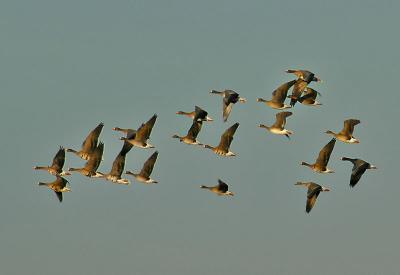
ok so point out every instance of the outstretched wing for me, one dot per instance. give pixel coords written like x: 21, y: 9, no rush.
x: 280, y: 94
x: 194, y: 129
x: 227, y: 137
x: 59, y: 159
x: 348, y: 126
x: 148, y: 165
x: 281, y: 119
x: 144, y: 131
x: 325, y: 153
x: 222, y: 186
x: 90, y: 143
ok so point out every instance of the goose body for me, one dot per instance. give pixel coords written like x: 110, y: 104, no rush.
x: 278, y: 127
x: 117, y: 169
x: 298, y: 89
x: 144, y: 174
x: 91, y: 166
x: 198, y: 114
x: 89, y: 144
x: 304, y: 75
x: 309, y: 97
x: 313, y: 192
x: 226, y: 139
x: 320, y: 165
x: 140, y: 138
x: 59, y: 186
x: 229, y: 98
x: 191, y: 136
x: 346, y: 135
x: 57, y: 165
x: 221, y: 189
x: 359, y: 168
x: 279, y: 96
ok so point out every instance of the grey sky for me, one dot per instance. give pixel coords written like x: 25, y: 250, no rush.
x: 67, y: 65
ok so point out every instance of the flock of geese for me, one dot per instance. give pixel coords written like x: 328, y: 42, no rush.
x: 92, y: 150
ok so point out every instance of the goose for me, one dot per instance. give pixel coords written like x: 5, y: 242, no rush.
x: 140, y: 139
x: 90, y: 143
x: 279, y: 96
x: 304, y: 75
x: 59, y: 186
x: 297, y: 90
x: 278, y: 127
x: 117, y: 169
x: 359, y: 167
x: 312, y: 193
x: 191, y: 137
x: 130, y: 134
x: 144, y: 175
x: 57, y: 165
x: 221, y: 189
x: 198, y: 114
x: 229, y: 98
x: 226, y: 139
x: 346, y: 135
x: 309, y: 97
x: 323, y: 157
x: 91, y: 166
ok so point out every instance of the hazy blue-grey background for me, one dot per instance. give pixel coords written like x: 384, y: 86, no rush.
x: 67, y: 65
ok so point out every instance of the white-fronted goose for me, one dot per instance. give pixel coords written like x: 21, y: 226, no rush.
x: 309, y: 97
x: 229, y: 98
x: 91, y: 166
x: 278, y: 127
x: 221, y: 189
x: 89, y: 144
x: 59, y: 186
x: 142, y: 134
x: 312, y: 193
x: 191, y: 137
x: 346, y: 135
x: 305, y: 75
x: 129, y: 134
x: 323, y: 158
x: 225, y: 142
x: 359, y: 167
x: 198, y: 114
x: 144, y: 175
x: 117, y: 169
x: 297, y: 91
x: 57, y: 165
x: 279, y: 96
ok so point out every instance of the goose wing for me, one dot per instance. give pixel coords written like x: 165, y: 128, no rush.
x: 227, y: 137
x: 312, y: 195
x: 59, y: 159
x: 90, y: 143
x: 194, y: 129
x: 222, y: 186
x: 148, y: 165
x: 309, y: 95
x: 298, y: 89
x: 348, y: 126
x: 144, y: 131
x: 359, y: 168
x: 280, y: 94
x: 118, y: 165
x: 94, y: 162
x: 325, y: 153
x: 199, y: 114
x: 281, y: 119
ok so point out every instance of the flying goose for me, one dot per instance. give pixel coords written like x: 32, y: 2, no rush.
x: 346, y: 135
x: 57, y: 165
x: 359, y: 167
x: 297, y: 90
x: 191, y: 137
x: 312, y: 193
x: 140, y: 139
x: 58, y: 186
x: 309, y: 97
x: 90, y: 143
x: 198, y: 114
x: 130, y: 134
x: 305, y: 75
x: 117, y: 169
x: 226, y: 139
x: 144, y: 175
x: 221, y: 189
x: 278, y: 127
x: 91, y: 166
x: 279, y: 96
x: 323, y: 157
x: 229, y: 98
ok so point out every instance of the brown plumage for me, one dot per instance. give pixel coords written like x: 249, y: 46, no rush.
x: 359, y: 167
x: 312, y: 193
x: 59, y: 186
x: 57, y: 165
x: 140, y: 138
x: 309, y: 97
x: 191, y: 136
x: 279, y: 96
x: 91, y: 166
x: 221, y: 189
x: 297, y: 91
x: 229, y: 97
x: 147, y: 169
x: 323, y: 158
x: 198, y: 114
x: 305, y: 75
x: 225, y: 142
x: 89, y: 144
x: 346, y: 135
x: 278, y: 127
x: 117, y: 169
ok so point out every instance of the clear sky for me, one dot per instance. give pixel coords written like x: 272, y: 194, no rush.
x: 68, y: 65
